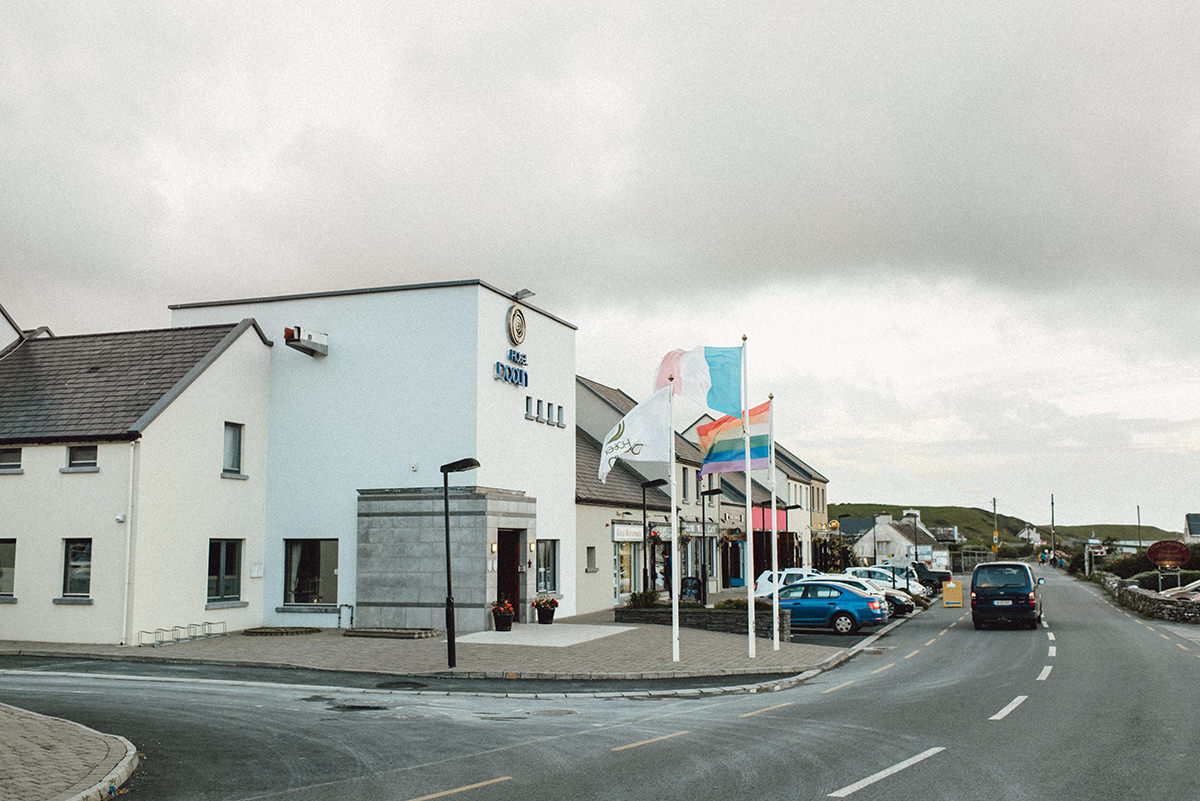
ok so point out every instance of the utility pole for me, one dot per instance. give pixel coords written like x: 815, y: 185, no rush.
x: 1053, y: 545
x: 1139, y: 510
x: 995, y: 532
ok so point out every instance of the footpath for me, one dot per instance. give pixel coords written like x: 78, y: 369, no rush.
x: 49, y: 759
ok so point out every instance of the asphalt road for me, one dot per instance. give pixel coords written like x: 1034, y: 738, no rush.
x: 1096, y: 705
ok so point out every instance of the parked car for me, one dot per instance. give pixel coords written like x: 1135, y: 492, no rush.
x: 827, y: 603
x: 1005, y: 591
x: 764, y: 585
x: 890, y: 578
x: 898, y: 602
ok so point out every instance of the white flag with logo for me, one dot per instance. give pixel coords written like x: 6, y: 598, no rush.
x: 643, y: 435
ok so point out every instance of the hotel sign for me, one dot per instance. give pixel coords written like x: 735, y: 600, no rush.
x: 511, y: 370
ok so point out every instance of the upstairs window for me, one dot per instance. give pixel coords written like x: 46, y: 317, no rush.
x: 10, y: 458
x: 231, y: 461
x: 81, y: 456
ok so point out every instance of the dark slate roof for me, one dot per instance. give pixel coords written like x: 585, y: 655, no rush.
x: 624, y: 486
x: 855, y: 527
x: 685, y: 452
x: 913, y: 533
x: 799, y: 463
x: 103, y: 387
x: 735, y: 485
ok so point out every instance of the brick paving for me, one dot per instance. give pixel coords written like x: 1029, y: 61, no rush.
x: 46, y: 758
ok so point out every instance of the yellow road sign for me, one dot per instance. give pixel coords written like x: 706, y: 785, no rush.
x: 951, y: 593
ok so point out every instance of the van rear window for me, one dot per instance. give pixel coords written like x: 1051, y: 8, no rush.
x: 1001, y: 576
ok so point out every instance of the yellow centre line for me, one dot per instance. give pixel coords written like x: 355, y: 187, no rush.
x: 840, y: 686
x: 475, y: 786
x: 940, y: 633
x: 1181, y: 645
x: 880, y: 670
x: 1151, y: 628
x: 1165, y: 637
x: 914, y: 653
x: 931, y: 642
x: 952, y: 625
x: 647, y: 742
x: 768, y: 709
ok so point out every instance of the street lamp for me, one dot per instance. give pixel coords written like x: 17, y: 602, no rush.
x: 704, y: 543
x: 658, y: 482
x: 447, y: 469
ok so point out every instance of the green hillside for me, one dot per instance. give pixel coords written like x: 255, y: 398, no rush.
x: 976, y: 524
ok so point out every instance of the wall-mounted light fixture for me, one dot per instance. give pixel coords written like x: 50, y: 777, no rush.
x: 493, y: 547
x: 532, y: 546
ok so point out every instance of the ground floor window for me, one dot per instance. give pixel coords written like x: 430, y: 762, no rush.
x: 311, y: 571
x: 224, y: 570
x: 8, y: 562
x: 77, y: 567
x: 547, y: 565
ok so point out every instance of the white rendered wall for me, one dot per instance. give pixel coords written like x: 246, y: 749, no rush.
x: 520, y: 454
x: 41, y: 508
x: 407, y: 386
x: 183, y: 502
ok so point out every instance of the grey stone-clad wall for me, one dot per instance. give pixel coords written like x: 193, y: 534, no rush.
x: 402, y: 555
x: 1148, y: 603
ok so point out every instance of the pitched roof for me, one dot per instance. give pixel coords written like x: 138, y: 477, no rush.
x: 800, y: 463
x: 624, y: 486
x: 103, y: 387
x: 685, y: 451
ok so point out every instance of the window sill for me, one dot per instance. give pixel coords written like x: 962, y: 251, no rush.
x: 226, y: 604
x: 79, y: 469
x: 8, y: 599
x: 11, y: 471
x: 234, y: 476
x: 73, y: 601
x: 308, y: 609
x: 592, y: 570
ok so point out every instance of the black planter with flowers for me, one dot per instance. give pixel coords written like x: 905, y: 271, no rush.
x: 545, y: 606
x: 502, y: 615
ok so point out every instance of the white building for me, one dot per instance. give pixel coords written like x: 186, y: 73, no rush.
x: 132, y: 481
x: 381, y: 388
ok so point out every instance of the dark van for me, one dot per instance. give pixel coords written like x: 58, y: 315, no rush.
x: 1005, y: 591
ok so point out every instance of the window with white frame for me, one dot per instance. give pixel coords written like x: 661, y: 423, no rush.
x: 10, y: 458
x: 547, y: 565
x: 231, y: 458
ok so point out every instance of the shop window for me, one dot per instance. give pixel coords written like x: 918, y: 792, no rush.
x: 77, y: 568
x: 224, y: 570
x: 547, y: 565
x: 8, y: 563
x: 231, y: 460
x: 10, y: 458
x: 310, y: 571
x: 81, y: 456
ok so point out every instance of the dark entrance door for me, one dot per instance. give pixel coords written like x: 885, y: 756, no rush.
x: 508, y: 566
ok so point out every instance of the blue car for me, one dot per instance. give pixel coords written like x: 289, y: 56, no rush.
x: 836, y: 606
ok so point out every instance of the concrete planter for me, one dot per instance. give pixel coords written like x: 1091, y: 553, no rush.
x: 730, y: 621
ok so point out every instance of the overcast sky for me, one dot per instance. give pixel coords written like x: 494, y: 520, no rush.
x: 961, y: 238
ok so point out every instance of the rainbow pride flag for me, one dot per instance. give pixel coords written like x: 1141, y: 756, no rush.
x: 724, y: 448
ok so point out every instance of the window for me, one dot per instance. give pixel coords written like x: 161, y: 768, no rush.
x: 231, y: 461
x: 684, y: 488
x: 561, y: 424
x: 541, y: 416
x: 528, y: 407
x: 10, y: 458
x: 81, y: 456
x: 547, y: 565
x: 77, y: 567
x: 311, y: 567
x: 591, y: 560
x: 224, y: 570
x: 549, y: 413
x: 8, y: 560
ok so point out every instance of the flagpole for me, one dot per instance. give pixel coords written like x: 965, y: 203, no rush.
x: 674, y: 528
x: 774, y: 522
x: 749, y: 568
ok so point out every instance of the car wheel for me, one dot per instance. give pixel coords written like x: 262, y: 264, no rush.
x: 844, y: 624
x: 978, y: 623
x: 892, y: 610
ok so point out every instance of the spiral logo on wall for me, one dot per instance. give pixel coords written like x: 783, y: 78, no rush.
x: 516, y: 325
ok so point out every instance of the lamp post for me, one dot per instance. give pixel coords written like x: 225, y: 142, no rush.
x: 447, y: 469
x: 646, y: 556
x: 704, y: 544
